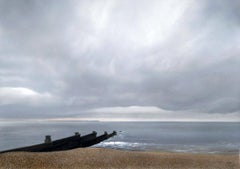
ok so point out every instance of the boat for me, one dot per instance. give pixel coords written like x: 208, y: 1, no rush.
x: 68, y: 143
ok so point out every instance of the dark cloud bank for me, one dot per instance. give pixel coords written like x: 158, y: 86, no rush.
x: 93, y: 59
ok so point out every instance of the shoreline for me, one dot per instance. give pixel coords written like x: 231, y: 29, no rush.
x: 226, y: 152
x: 97, y: 158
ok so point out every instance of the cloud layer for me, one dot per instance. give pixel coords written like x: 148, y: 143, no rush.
x: 76, y: 56
x: 18, y: 95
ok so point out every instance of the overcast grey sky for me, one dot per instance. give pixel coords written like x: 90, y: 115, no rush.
x: 120, y: 59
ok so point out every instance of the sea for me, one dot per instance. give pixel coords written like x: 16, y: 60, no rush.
x: 189, y: 137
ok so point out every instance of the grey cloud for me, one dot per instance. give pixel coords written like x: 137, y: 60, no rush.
x: 198, y: 88
x: 108, y: 54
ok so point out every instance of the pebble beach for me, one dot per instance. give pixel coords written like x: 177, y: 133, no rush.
x: 99, y: 158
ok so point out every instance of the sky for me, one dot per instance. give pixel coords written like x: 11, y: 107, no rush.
x: 120, y: 60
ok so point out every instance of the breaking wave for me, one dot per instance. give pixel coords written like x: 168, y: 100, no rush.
x: 135, y: 146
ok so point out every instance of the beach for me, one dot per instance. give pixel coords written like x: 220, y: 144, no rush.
x: 100, y: 158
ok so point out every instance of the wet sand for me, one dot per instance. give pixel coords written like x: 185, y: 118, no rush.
x: 92, y: 158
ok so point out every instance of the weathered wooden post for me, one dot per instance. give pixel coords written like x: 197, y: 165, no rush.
x: 48, y: 139
x: 77, y: 134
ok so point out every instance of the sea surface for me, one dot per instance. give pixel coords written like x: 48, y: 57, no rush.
x: 194, y: 137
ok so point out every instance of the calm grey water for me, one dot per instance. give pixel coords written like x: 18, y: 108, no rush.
x: 200, y: 137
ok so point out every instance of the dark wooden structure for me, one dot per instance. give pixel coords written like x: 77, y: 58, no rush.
x: 67, y: 143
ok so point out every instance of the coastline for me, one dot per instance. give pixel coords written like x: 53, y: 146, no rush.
x: 96, y: 158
